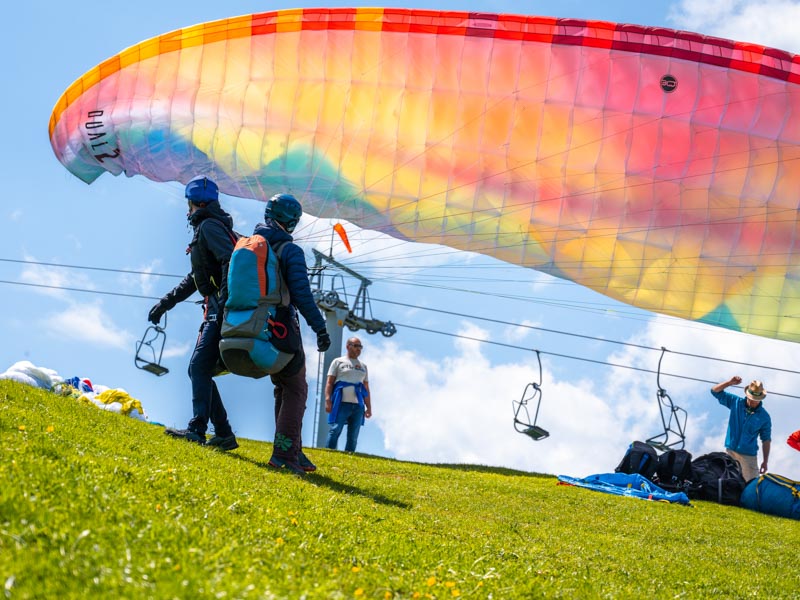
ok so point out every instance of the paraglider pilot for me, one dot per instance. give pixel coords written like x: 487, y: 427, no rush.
x: 210, y: 252
x: 281, y: 215
x: 748, y: 421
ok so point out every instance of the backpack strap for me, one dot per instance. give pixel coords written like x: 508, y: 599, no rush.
x: 783, y: 482
x: 231, y: 233
x: 278, y: 248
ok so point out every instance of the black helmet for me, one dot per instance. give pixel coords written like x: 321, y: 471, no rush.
x: 201, y: 191
x: 285, y: 209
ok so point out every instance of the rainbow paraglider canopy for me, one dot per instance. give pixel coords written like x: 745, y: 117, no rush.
x: 654, y: 166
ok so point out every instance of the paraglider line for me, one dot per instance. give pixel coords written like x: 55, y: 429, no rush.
x: 588, y: 337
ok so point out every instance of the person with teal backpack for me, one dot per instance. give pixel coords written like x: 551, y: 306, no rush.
x: 281, y: 215
x: 210, y: 252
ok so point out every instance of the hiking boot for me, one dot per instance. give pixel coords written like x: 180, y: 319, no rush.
x: 283, y: 463
x: 224, y: 443
x: 186, y: 434
x: 305, y: 464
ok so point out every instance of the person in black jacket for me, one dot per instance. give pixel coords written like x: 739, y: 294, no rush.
x: 281, y: 216
x: 210, y: 252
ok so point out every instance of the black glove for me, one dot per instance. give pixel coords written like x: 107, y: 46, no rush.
x: 323, y: 341
x: 157, y: 312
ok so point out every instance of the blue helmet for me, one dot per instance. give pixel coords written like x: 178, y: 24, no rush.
x: 285, y: 209
x: 201, y: 190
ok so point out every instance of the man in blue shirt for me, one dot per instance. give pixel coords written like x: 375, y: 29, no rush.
x: 748, y: 421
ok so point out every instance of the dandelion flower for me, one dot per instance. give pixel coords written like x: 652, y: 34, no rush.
x: 355, y: 569
x: 21, y: 427
x: 279, y: 541
x: 431, y: 581
x: 50, y: 429
x: 359, y: 592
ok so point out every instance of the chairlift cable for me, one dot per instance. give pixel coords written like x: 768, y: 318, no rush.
x: 579, y: 358
x: 442, y: 311
x: 554, y: 331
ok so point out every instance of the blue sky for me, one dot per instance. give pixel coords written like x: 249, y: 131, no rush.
x: 437, y: 398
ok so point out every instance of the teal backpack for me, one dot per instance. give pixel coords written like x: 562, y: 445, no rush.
x: 260, y: 334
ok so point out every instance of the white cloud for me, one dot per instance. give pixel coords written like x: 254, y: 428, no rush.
x: 178, y: 350
x: 40, y: 275
x: 145, y: 282
x: 459, y: 410
x: 88, y: 323
x: 516, y: 334
x: 707, y: 420
x: 767, y: 22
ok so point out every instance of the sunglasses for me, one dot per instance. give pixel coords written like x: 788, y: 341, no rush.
x: 356, y: 345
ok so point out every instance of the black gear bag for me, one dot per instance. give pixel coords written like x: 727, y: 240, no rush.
x: 674, y: 470
x: 640, y: 458
x: 717, y: 477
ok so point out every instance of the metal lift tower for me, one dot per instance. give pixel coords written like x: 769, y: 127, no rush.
x: 338, y: 314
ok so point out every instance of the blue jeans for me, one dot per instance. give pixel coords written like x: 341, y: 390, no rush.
x: 352, y: 415
x: 206, y: 401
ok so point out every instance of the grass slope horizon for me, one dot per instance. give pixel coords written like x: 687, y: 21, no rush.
x: 95, y: 504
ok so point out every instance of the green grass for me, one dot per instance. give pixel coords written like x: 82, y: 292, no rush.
x: 93, y: 504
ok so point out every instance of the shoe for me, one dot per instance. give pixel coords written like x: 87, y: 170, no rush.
x: 224, y: 443
x: 305, y: 464
x: 186, y: 434
x: 282, y: 463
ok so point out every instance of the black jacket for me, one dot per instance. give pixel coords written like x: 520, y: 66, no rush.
x: 210, y: 252
x: 295, y: 273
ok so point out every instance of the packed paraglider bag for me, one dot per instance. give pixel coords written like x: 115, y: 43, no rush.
x: 640, y: 458
x: 774, y: 495
x: 259, y: 333
x: 717, y: 477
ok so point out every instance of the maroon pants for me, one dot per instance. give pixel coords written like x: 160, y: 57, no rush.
x: 291, y: 392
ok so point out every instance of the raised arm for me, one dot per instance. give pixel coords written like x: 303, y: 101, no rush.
x: 735, y: 380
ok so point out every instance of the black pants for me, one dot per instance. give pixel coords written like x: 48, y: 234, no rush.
x: 206, y: 401
x: 291, y: 393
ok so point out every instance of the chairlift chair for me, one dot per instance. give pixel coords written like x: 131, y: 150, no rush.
x: 150, y: 349
x: 522, y: 418
x: 673, y: 418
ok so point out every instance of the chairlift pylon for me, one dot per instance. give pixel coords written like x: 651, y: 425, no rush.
x: 673, y: 418
x: 522, y: 418
x: 150, y: 349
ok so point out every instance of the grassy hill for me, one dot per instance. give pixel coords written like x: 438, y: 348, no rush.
x: 94, y: 504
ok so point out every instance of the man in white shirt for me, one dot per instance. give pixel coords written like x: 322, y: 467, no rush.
x: 347, y: 396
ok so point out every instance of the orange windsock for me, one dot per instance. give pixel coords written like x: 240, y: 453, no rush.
x: 339, y: 228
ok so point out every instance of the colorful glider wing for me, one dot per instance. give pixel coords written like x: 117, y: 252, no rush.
x: 657, y: 167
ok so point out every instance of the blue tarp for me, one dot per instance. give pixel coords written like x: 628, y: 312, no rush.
x: 622, y: 484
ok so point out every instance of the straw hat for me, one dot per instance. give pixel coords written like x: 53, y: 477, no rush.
x: 755, y: 391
